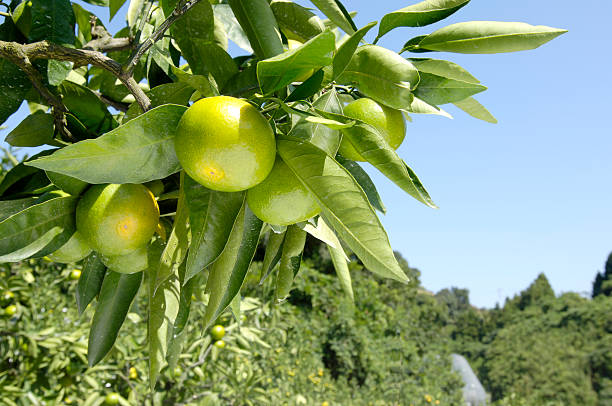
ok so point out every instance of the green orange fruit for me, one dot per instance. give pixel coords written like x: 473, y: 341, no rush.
x: 217, y: 332
x: 10, y: 310
x: 225, y: 144
x: 75, y: 249
x: 281, y: 199
x: 133, y: 373
x: 132, y: 262
x: 117, y: 219
x: 219, y: 344
x: 111, y: 399
x: 389, y: 122
x: 75, y: 274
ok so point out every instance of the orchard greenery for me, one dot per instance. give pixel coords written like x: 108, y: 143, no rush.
x: 123, y: 109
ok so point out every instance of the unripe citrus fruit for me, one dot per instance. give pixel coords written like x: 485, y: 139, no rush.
x: 132, y: 262
x: 389, y: 122
x: 225, y: 144
x: 133, y: 373
x: 75, y: 274
x: 217, y: 332
x: 75, y: 249
x: 7, y: 296
x: 117, y: 219
x: 10, y: 310
x: 281, y: 199
x: 111, y: 399
x: 219, y: 344
x: 177, y: 372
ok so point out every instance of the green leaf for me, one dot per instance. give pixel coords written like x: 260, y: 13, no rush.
x: 97, y: 2
x: 489, y: 37
x: 52, y: 20
x: 212, y: 215
x: 341, y: 266
x: 443, y: 68
x: 35, y: 130
x: 163, y: 310
x: 68, y: 184
x: 225, y: 15
x: 114, y: 6
x: 14, y: 84
x: 116, y: 295
x: 323, y: 233
x: 274, y: 249
x: 82, y: 19
x: 10, y: 207
x: 419, y: 106
x: 290, y: 262
x: 258, y: 22
x: 347, y: 49
x: 21, y: 178
x: 57, y: 71
x: 297, y: 22
x: 376, y: 150
x: 87, y: 107
x: 168, y: 93
x: 336, y: 12
x: 206, y: 85
x: 227, y: 273
x: 279, y: 71
x: 344, y: 205
x: 139, y: 151
x: 472, y: 107
x: 382, y: 75
x: 309, y: 87
x: 419, y: 15
x: 435, y: 89
x: 90, y: 281
x: 176, y: 248
x: 319, y: 134
x: 364, y: 181
x: 38, y: 230
x: 195, y: 35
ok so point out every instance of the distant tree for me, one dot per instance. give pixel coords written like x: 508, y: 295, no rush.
x: 603, y: 280
x: 457, y: 300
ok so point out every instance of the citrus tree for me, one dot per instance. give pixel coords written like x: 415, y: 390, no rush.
x: 172, y: 160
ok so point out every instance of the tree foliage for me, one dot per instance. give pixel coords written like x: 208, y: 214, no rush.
x: 109, y: 105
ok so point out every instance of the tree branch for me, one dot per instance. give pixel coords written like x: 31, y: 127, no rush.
x: 117, y: 105
x: 178, y: 12
x: 48, y: 50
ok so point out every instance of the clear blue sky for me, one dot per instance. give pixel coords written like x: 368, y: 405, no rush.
x: 528, y: 195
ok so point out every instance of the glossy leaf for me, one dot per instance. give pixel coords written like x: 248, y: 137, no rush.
x: 344, y: 205
x: 297, y: 22
x: 175, y: 251
x: 336, y: 12
x: 57, y: 71
x: 290, y: 262
x: 319, y: 134
x: 114, y: 6
x: 338, y: 258
x: 279, y: 71
x: 419, y: 106
x: 212, y: 215
x: 68, y: 184
x: 274, y: 249
x: 195, y: 35
x: 38, y: 230
x: 420, y: 14
x: 139, y: 151
x: 52, y: 20
x: 206, y: 85
x: 87, y: 107
x: 19, y: 177
x: 472, y: 107
x: 347, y: 49
x: 382, y: 75
x: 435, y: 89
x: 116, y: 296
x: 90, y: 282
x: 364, y: 181
x: 168, y: 93
x: 227, y: 273
x: 225, y: 15
x: 35, y: 130
x: 309, y: 87
x: 257, y: 20
x: 14, y: 84
x: 10, y: 207
x: 489, y: 37
x: 443, y: 68
x: 323, y: 233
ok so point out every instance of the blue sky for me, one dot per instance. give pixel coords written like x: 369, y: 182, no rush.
x: 528, y: 195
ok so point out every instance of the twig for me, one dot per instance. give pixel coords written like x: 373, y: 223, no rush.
x: 48, y: 50
x: 3, y: 14
x: 178, y: 12
x: 116, y: 105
